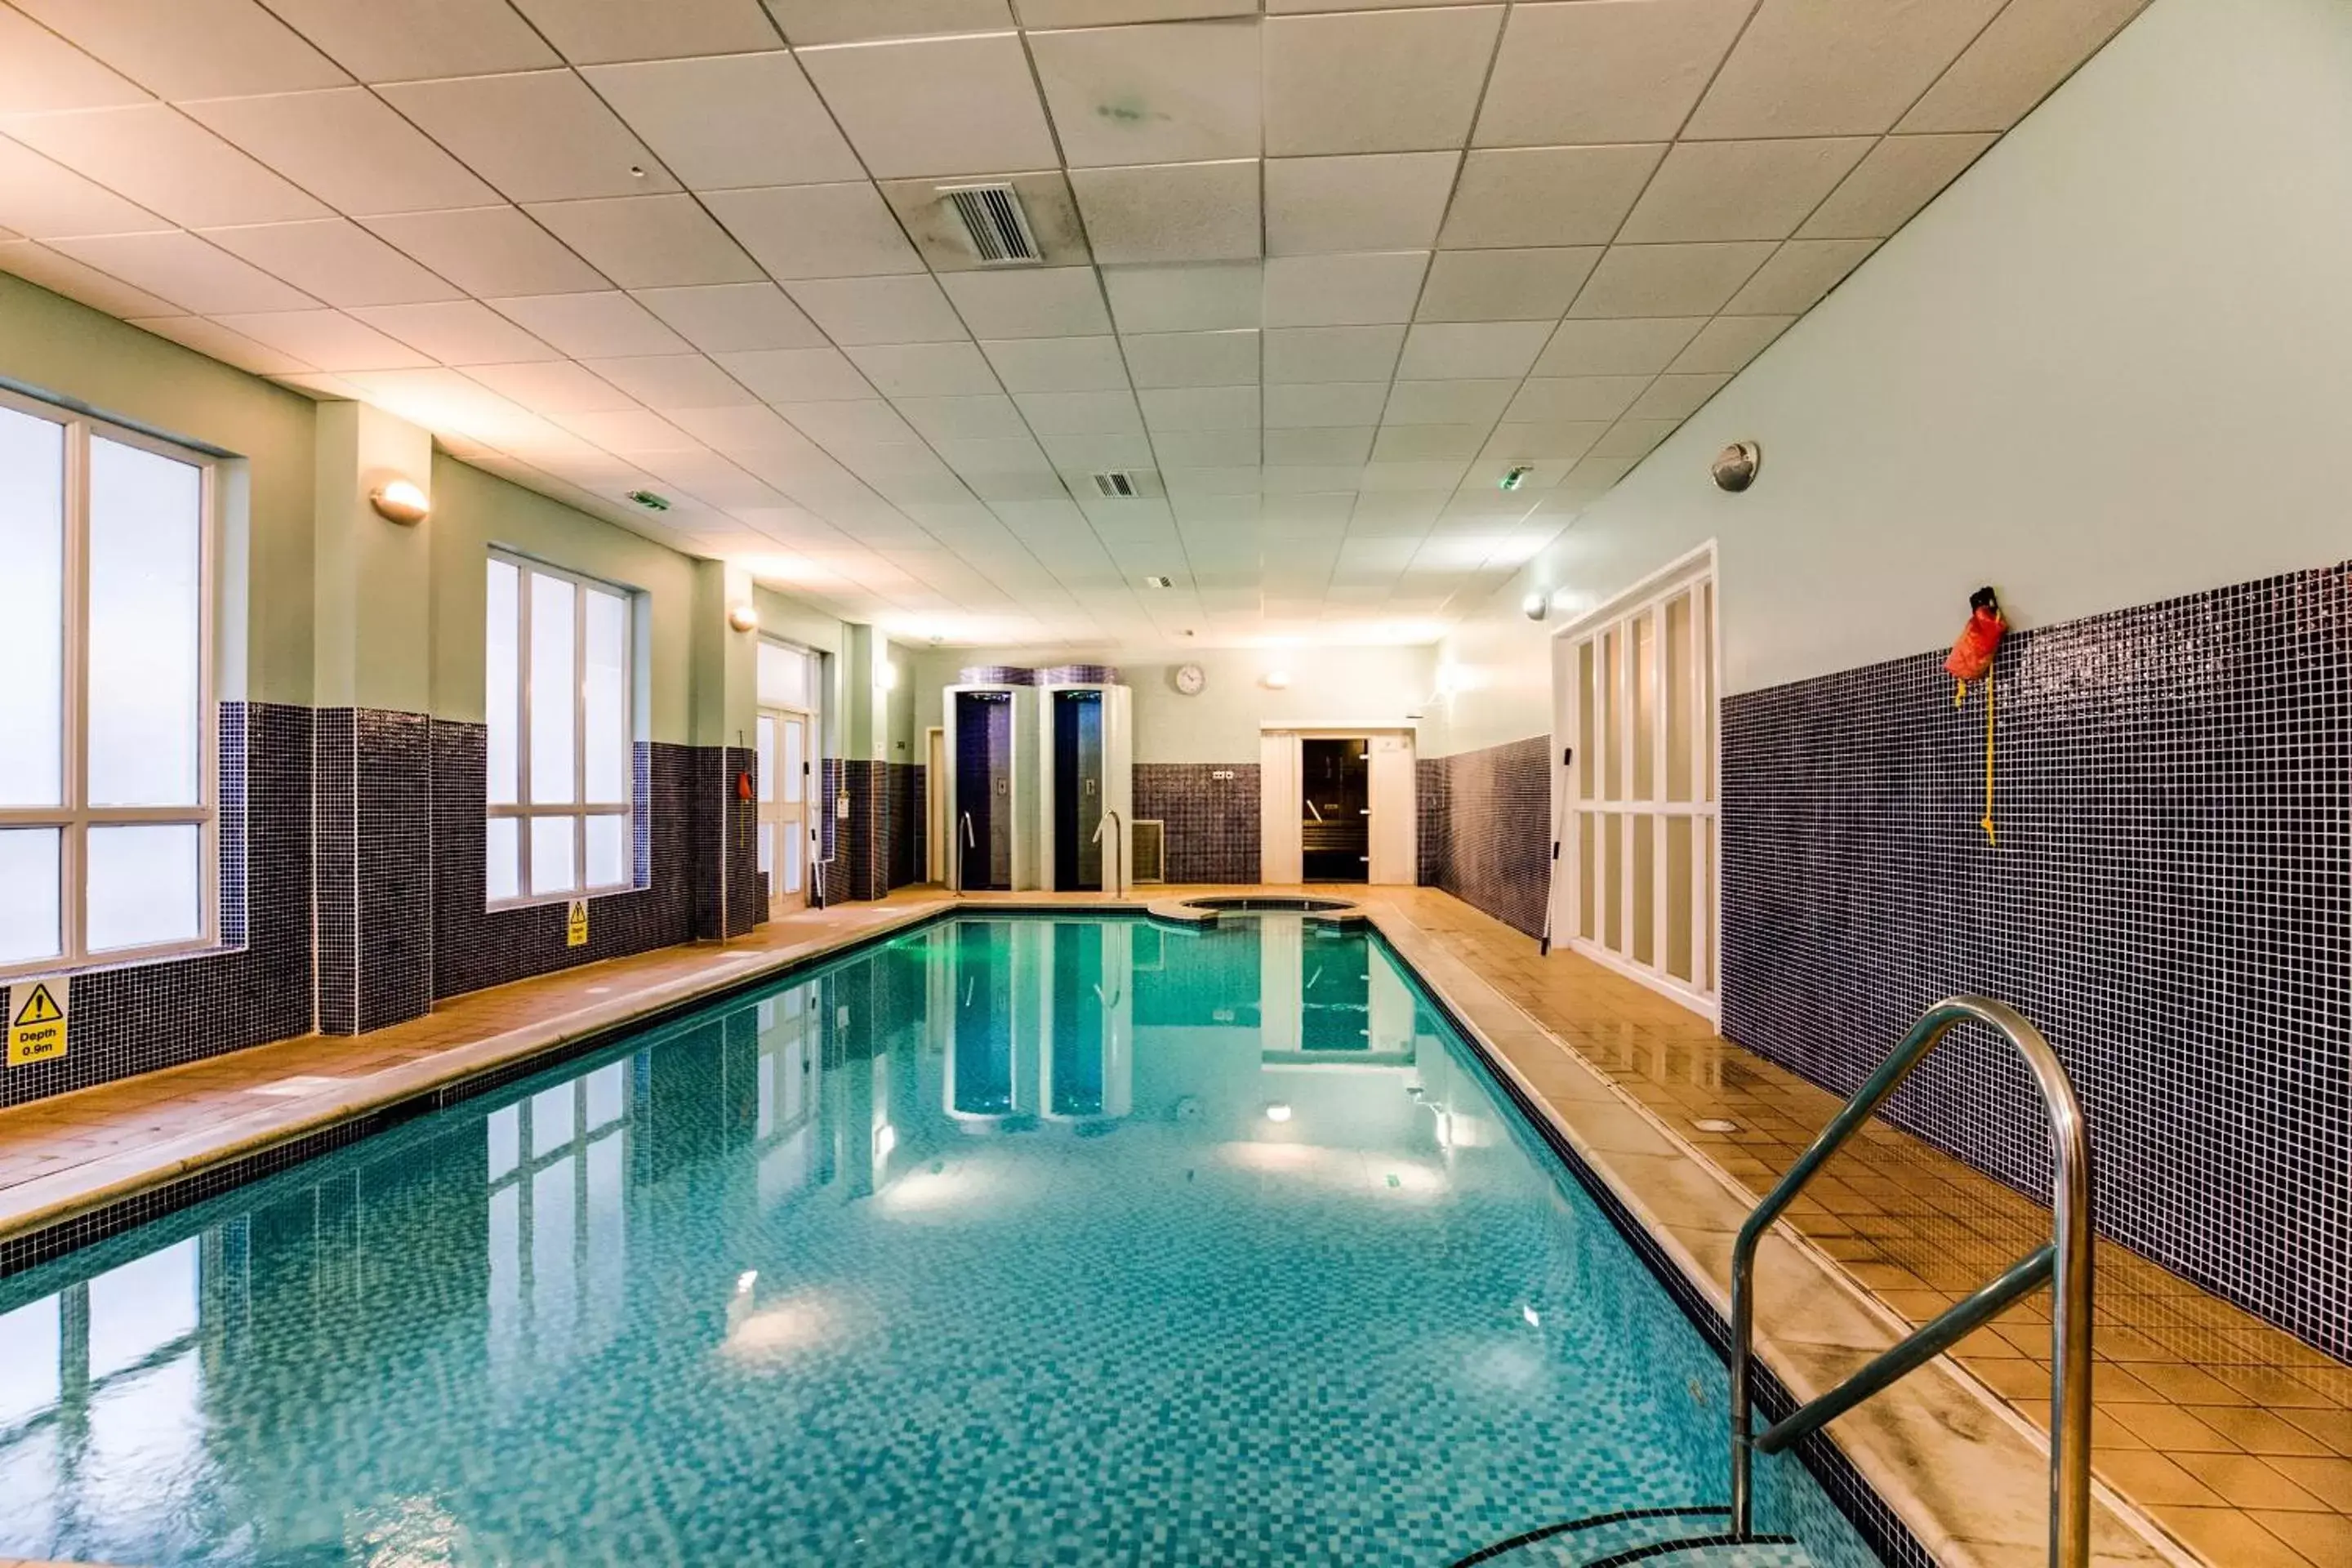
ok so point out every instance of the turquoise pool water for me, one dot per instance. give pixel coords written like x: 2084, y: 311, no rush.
x: 1007, y: 1242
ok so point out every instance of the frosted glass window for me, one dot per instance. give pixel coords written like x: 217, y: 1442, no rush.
x: 553, y: 760
x: 502, y: 664
x: 561, y: 769
x: 33, y: 631
x: 605, y: 697
x: 146, y: 884
x: 767, y: 734
x: 787, y: 677
x: 28, y: 915
x: 552, y: 867
x: 608, y: 851
x: 505, y: 848
x: 141, y: 1308
x: 146, y: 626
x: 795, y: 763
x: 767, y: 848
x: 792, y: 862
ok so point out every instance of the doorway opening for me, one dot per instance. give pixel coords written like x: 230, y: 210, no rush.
x: 1335, y: 810
x: 1077, y: 790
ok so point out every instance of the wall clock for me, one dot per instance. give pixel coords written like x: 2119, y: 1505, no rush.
x: 1192, y: 679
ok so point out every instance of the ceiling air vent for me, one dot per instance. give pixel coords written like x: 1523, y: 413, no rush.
x: 1117, y: 484
x: 1157, y: 581
x: 993, y: 223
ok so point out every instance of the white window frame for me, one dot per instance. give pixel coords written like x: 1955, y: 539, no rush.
x: 74, y: 817
x: 579, y: 808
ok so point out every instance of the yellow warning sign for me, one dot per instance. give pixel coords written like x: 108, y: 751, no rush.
x: 38, y: 1012
x: 576, y: 924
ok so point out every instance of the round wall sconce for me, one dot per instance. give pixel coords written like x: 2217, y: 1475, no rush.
x: 1275, y: 679
x: 1735, y: 467
x: 1536, y: 606
x: 886, y: 676
x: 744, y: 617
x: 400, y: 501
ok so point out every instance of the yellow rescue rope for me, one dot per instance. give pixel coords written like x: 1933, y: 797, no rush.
x: 1960, y: 698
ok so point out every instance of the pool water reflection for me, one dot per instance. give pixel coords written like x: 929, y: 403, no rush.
x: 1007, y: 1241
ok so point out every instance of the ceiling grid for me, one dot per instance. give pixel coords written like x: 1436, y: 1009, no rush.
x: 1321, y: 272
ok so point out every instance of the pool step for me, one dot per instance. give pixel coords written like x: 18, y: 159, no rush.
x: 1670, y: 1538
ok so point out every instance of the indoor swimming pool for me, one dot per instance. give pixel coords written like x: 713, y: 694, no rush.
x: 1012, y: 1240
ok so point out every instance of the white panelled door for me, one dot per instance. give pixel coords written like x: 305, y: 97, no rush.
x: 786, y: 789
x: 1635, y: 690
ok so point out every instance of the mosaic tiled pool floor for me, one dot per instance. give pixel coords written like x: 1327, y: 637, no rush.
x: 1010, y: 1241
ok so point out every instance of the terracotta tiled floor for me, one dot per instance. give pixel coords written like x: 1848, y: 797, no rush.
x: 2235, y: 1436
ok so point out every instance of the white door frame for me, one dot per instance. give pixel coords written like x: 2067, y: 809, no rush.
x: 778, y: 814
x: 935, y: 804
x: 1694, y: 575
x: 1393, y: 840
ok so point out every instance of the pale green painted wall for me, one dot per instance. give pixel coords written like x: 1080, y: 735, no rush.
x: 54, y: 348
x: 2108, y: 366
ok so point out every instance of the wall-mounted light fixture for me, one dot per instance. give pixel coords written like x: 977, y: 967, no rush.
x: 1275, y: 679
x: 1536, y: 606
x: 744, y: 617
x: 400, y: 501
x: 886, y: 676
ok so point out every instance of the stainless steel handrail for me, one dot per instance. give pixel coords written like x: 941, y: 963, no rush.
x: 1116, y: 886
x: 2064, y: 1264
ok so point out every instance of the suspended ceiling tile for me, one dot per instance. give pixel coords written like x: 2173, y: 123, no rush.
x: 336, y: 260
x: 41, y: 71
x: 1668, y: 279
x: 200, y: 278
x: 732, y: 122
x: 191, y: 48
x: 1832, y: 67
x: 1535, y: 285
x: 1740, y: 190
x: 61, y: 274
x: 1387, y: 82
x: 845, y: 21
x: 156, y: 156
x: 733, y: 317
x: 592, y: 31
x: 1389, y: 201
x: 46, y: 200
x: 1584, y: 74
x: 1798, y: 275
x: 1370, y: 290
x: 1053, y: 302
x: 487, y: 251
x: 419, y: 39
x: 1171, y: 212
x: 1180, y: 93
x: 980, y: 112
x: 327, y: 340
x: 816, y: 231
x: 538, y: 136
x: 1893, y: 182
x: 1547, y: 195
x: 904, y: 309
x: 591, y: 326
x: 648, y: 242
x: 347, y: 147
x: 1192, y: 359
x: 1061, y: 365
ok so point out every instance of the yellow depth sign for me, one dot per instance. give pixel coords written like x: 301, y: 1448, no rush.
x: 38, y: 1012
x: 576, y: 924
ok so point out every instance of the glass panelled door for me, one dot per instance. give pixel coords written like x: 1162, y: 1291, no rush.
x: 786, y: 789
x: 1639, y: 845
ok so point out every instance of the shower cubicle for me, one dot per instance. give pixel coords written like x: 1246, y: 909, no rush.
x: 992, y: 753
x: 1086, y: 786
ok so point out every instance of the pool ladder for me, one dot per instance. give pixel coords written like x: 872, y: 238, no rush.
x: 2063, y: 1263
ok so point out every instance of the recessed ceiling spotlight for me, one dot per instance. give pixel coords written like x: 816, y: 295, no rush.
x: 1277, y: 1111
x: 1275, y: 679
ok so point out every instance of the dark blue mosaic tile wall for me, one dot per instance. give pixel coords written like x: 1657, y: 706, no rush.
x: 1212, y: 823
x: 473, y: 947
x: 2169, y: 900
x: 908, y: 806
x: 374, y: 867
x: 1486, y: 828
x: 134, y: 1020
